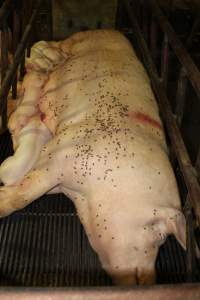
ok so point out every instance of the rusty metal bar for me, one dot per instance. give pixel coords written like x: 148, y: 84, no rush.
x: 164, y: 61
x: 181, y: 95
x: 164, y: 292
x: 185, y: 164
x: 17, y: 59
x: 180, y: 51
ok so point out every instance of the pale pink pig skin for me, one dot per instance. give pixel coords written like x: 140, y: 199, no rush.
x: 88, y: 126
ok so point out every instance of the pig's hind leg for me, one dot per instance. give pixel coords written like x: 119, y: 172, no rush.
x: 31, y: 139
x: 43, y: 178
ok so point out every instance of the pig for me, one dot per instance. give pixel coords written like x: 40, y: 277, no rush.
x: 88, y: 126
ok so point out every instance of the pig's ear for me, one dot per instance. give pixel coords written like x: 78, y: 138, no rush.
x: 176, y: 225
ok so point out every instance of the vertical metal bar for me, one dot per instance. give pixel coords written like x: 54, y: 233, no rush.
x: 24, y: 18
x: 16, y: 30
x: 119, y: 17
x: 4, y: 53
x: 197, y: 164
x: 138, y: 11
x: 24, y: 21
x: 178, y: 47
x: 4, y: 62
x: 28, y: 8
x: 172, y: 156
x: 15, y: 41
x: 165, y: 61
x: 153, y: 39
x: 194, y: 29
x: 5, y: 10
x: 190, y: 242
x: 22, y: 68
x: 145, y: 21
x: 181, y: 95
x: 17, y: 58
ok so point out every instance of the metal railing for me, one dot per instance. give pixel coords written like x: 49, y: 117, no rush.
x: 159, y: 83
x: 164, y: 292
x: 188, y: 72
x: 16, y: 42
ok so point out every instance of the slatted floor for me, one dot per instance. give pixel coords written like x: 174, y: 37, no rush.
x: 45, y: 245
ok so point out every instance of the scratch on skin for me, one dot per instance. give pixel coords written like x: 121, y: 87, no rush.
x: 42, y: 116
x: 144, y: 118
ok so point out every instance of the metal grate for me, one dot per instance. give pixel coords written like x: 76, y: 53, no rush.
x: 45, y: 245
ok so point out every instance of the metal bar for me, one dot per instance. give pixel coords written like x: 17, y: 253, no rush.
x: 181, y: 95
x: 180, y: 51
x: 164, y: 292
x: 193, y: 32
x: 5, y: 10
x: 29, y: 9
x: 186, y: 167
x: 4, y: 62
x: 119, y: 16
x: 145, y: 22
x: 164, y: 61
x: 197, y: 164
x: 17, y: 59
x: 190, y: 242
x: 172, y: 156
x: 26, y: 7
x: 22, y: 67
x: 153, y: 39
x: 15, y: 41
x: 4, y: 53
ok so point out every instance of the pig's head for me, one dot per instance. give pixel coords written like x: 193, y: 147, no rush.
x: 136, y: 264
x: 152, y: 236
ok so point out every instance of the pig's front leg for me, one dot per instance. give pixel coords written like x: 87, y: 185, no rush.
x: 30, y: 141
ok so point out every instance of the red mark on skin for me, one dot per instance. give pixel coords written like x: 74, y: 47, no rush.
x: 143, y: 118
x: 42, y: 116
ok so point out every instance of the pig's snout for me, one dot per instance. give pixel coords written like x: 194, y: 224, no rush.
x: 137, y: 277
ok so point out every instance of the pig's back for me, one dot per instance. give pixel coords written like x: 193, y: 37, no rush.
x: 101, y: 82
